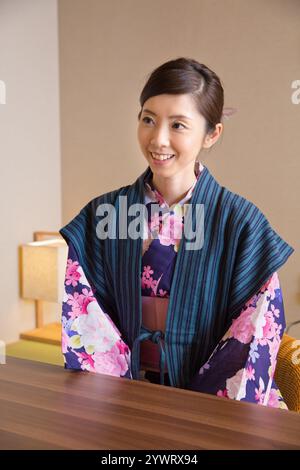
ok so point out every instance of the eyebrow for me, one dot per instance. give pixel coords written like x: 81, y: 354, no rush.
x: 178, y: 116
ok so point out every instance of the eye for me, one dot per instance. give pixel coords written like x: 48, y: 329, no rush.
x: 179, y: 123
x: 146, y: 118
x: 175, y: 123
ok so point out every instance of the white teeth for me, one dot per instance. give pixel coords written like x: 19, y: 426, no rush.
x: 158, y: 156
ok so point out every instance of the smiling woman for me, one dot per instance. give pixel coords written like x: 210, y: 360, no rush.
x: 209, y: 318
x: 182, y: 104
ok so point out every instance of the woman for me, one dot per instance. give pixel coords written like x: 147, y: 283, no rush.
x: 192, y: 299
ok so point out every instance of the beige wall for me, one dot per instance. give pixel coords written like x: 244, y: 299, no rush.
x: 30, y: 189
x: 108, y: 48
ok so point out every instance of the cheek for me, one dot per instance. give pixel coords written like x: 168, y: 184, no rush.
x: 142, y: 135
x: 191, y: 142
x: 184, y: 142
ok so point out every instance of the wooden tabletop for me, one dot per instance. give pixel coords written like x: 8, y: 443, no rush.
x: 43, y: 406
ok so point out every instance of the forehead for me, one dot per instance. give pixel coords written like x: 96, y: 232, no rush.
x: 172, y: 105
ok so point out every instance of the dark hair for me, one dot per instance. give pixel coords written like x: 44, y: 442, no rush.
x: 185, y: 75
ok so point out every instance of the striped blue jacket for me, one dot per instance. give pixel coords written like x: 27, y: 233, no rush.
x: 210, y: 285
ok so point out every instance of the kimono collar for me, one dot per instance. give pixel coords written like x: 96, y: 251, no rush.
x: 153, y: 195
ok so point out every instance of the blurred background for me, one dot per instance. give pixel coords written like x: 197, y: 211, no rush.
x: 71, y: 72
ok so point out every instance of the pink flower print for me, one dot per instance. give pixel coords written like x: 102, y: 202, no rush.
x: 87, y: 297
x: 171, y: 232
x: 123, y: 348
x: 86, y: 361
x: 72, y: 275
x: 111, y: 362
x: 95, y: 331
x: 79, y: 302
x: 163, y: 293
x: 275, y: 311
x: 64, y: 340
x: 147, y: 272
x: 153, y: 285
x: 259, y: 395
x: 145, y: 283
x: 147, y: 280
x: 74, y: 302
x: 273, y: 285
x: 222, y: 393
x: 250, y: 373
x: 270, y: 328
x: 242, y: 327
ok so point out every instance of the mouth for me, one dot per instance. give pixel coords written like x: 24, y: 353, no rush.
x: 161, y: 159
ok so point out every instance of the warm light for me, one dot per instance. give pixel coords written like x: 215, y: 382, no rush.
x: 43, y: 265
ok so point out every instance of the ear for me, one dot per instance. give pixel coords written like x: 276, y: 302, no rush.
x: 211, y: 138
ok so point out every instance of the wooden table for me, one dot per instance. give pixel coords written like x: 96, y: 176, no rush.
x: 46, y: 407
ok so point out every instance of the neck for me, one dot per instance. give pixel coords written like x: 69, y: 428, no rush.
x: 174, y: 189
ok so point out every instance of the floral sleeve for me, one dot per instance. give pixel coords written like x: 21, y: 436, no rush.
x: 90, y: 339
x: 242, y: 366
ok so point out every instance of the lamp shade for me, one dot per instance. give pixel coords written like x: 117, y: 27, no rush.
x: 43, y: 266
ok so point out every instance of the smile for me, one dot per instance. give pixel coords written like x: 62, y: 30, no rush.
x: 160, y: 157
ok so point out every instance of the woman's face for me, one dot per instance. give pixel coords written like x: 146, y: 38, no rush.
x: 171, y: 125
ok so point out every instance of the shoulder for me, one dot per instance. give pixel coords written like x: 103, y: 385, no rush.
x: 238, y: 210
x: 252, y: 232
x: 85, y: 220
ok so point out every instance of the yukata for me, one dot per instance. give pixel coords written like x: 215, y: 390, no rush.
x: 243, y: 362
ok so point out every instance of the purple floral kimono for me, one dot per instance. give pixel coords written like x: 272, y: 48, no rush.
x: 242, y: 365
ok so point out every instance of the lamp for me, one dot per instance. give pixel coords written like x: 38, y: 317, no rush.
x: 43, y: 267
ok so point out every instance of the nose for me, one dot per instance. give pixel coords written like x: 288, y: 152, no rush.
x: 160, y: 136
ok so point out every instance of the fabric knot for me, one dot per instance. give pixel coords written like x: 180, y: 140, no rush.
x: 156, y: 337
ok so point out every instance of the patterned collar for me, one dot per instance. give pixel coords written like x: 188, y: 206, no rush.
x: 153, y: 195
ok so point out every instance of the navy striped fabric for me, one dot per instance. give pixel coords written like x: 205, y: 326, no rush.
x: 209, y: 287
